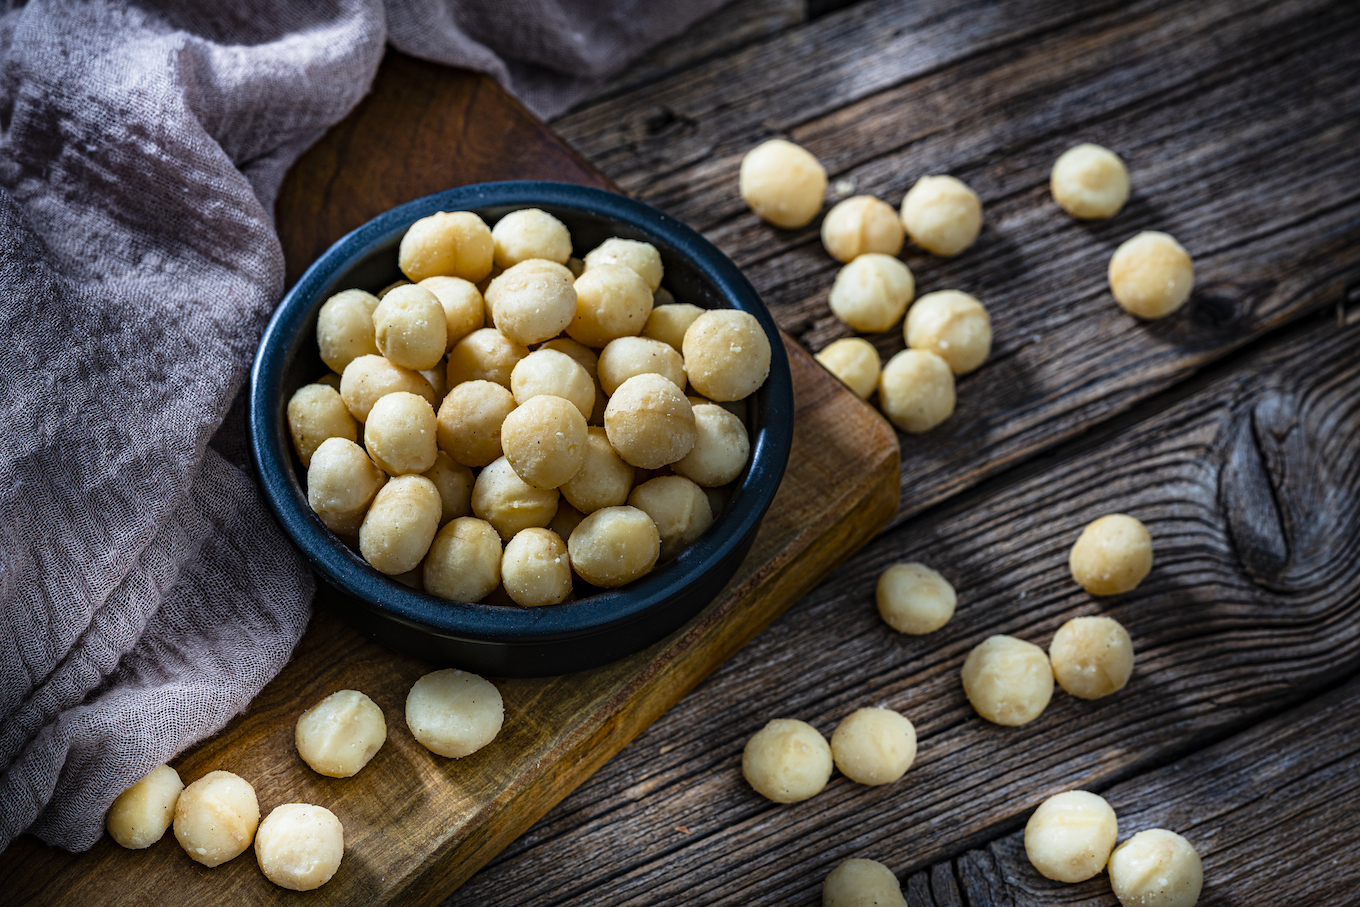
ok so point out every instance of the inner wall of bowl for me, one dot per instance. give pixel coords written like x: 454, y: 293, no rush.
x: 378, y: 268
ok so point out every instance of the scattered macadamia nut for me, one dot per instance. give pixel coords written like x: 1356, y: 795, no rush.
x: 142, y: 813
x: 470, y: 419
x: 916, y: 390
x: 783, y: 183
x: 400, y: 434
x: 533, y: 301
x: 614, y: 546
x: 874, y: 746
x: 861, y: 225
x: 344, y: 328
x: 565, y: 521
x: 403, y: 282
x: 216, y: 818
x: 624, y: 357
x: 484, y: 355
x: 453, y: 713
x: 872, y: 292
x: 727, y: 355
x: 316, y: 412
x: 1112, y: 555
x: 1070, y: 836
x: 453, y: 481
x: 942, y: 215
x: 914, y: 599
x: 582, y: 354
x: 1092, y: 656
x: 603, y: 480
x: 1156, y: 868
x: 678, y: 507
x: 862, y: 883
x: 642, y: 257
x: 953, y: 326
x: 341, y: 483
x: 340, y: 734
x: 447, y: 244
x: 1089, y: 182
x: 464, y: 561
x: 400, y: 524
x: 854, y: 362
x: 721, y: 447
x: 530, y: 233
x: 787, y: 761
x: 462, y: 303
x: 410, y: 327
x: 1008, y: 681
x: 650, y: 422
x: 299, y: 846
x: 669, y: 322
x: 545, y: 441
x: 1151, y: 275
x: 536, y: 569
x: 509, y: 503
x: 611, y: 301
x: 370, y: 378
x: 549, y: 372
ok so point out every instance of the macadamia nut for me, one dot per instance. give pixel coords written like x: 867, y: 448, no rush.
x: 862, y: 883
x: 470, y: 419
x: 549, y: 372
x: 854, y: 362
x: 861, y: 225
x: 545, y: 441
x: 299, y: 846
x: 565, y: 521
x: 678, y: 507
x: 614, y: 546
x: 370, y: 378
x: 410, y: 327
x: 642, y: 257
x: 340, y: 734
x: 721, y: 447
x: 316, y: 412
x: 787, y: 761
x: 536, y: 568
x: 669, y: 322
x: 783, y: 183
x: 942, y: 215
x: 874, y: 746
x: 1112, y: 555
x: 650, y: 422
x: 344, y: 328
x: 509, y: 503
x: 484, y: 355
x: 341, y: 483
x: 727, y: 355
x: 530, y: 233
x: 142, y: 813
x: 1008, y: 681
x: 624, y: 357
x: 1070, y: 836
x: 400, y: 434
x: 400, y: 524
x: 447, y: 244
x: 462, y: 303
x: 1151, y: 275
x: 953, y: 326
x: 611, y: 301
x: 464, y: 562
x: 453, y: 713
x: 1089, y: 182
x: 453, y: 481
x: 604, y: 479
x: 533, y: 301
x: 872, y: 292
x: 1092, y: 656
x: 914, y: 599
x: 916, y: 390
x: 216, y: 817
x: 1156, y: 868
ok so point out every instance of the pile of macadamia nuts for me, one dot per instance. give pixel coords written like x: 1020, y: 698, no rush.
x: 510, y: 418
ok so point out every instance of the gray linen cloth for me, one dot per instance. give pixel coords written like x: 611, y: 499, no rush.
x: 146, y: 594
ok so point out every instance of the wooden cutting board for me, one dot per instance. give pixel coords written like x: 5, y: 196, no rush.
x: 418, y: 825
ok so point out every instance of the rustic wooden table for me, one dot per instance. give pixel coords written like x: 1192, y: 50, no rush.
x: 1231, y: 429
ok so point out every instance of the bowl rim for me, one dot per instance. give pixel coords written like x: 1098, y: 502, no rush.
x: 498, y: 623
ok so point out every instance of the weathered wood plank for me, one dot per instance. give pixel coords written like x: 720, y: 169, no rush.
x: 1223, y: 635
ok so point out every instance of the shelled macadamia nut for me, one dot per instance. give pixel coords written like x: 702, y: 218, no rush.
x: 410, y: 327
x: 783, y: 183
x: 721, y: 447
x: 545, y: 440
x: 678, y: 507
x: 1008, y: 681
x: 549, y: 372
x: 330, y: 379
x: 340, y: 734
x: 642, y: 257
x: 142, y: 813
x: 484, y: 355
x: 462, y: 303
x: 536, y: 569
x: 1089, y: 182
x: 624, y: 357
x: 464, y: 562
x: 470, y: 420
x: 614, y: 546
x: 860, y: 225
x: 400, y: 524
x: 787, y: 761
x: 650, y: 422
x: 533, y: 301
x: 872, y: 292
x: 316, y: 412
x: 914, y: 599
x: 403, y: 282
x: 874, y: 746
x: 453, y: 713
x: 1070, y: 836
x: 862, y: 883
x: 530, y: 233
x: 603, y: 480
x: 583, y: 355
x: 370, y: 378
x: 216, y: 817
x: 453, y: 481
x: 509, y: 503
x: 344, y: 328
x: 299, y: 846
x: 953, y: 326
x: 611, y: 301
x: 727, y: 355
x: 1156, y: 868
x: 942, y: 215
x: 669, y: 322
x: 565, y: 521
x: 1112, y: 555
x: 447, y: 244
x: 1092, y: 656
x: 341, y: 483
x: 400, y: 434
x: 916, y: 390
x: 854, y: 362
x: 1151, y: 275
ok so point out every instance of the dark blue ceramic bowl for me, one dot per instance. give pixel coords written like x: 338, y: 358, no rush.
x: 503, y: 640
